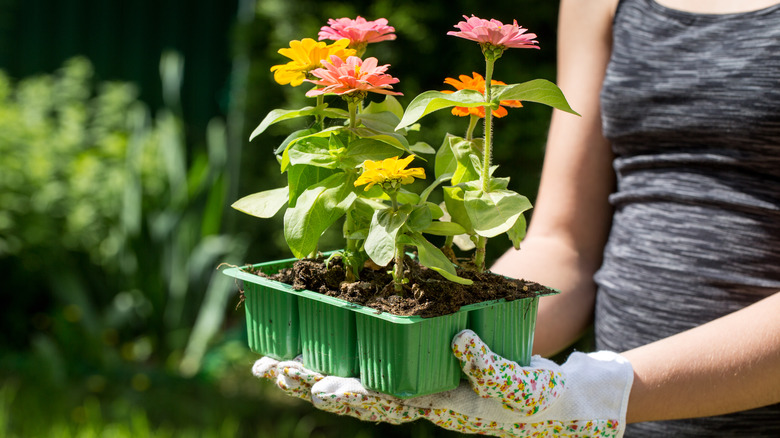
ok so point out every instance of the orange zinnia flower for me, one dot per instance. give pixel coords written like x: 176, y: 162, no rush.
x: 477, y: 83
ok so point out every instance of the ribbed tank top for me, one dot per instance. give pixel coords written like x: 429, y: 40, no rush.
x: 691, y: 105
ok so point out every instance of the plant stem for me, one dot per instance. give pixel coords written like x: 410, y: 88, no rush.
x: 352, y: 105
x: 319, y: 118
x: 393, y: 194
x: 349, y: 227
x: 349, y: 222
x: 487, y: 157
x: 479, y: 253
x: 447, y: 249
x: 398, y: 270
x: 472, y: 124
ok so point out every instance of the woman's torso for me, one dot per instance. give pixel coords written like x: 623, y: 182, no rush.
x: 691, y: 104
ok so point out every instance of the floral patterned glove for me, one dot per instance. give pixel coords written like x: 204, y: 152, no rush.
x: 585, y: 397
x: 290, y: 376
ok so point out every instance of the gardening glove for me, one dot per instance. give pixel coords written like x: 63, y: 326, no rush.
x: 585, y: 397
x: 290, y: 375
x: 295, y: 380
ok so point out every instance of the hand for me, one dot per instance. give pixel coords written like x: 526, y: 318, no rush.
x: 290, y: 376
x: 585, y: 397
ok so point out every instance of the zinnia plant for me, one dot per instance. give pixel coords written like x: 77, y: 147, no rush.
x: 352, y: 164
x: 477, y: 200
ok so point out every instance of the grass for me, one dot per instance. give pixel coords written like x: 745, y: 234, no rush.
x: 228, y: 403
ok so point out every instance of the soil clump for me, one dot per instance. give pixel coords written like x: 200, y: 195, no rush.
x: 426, y: 294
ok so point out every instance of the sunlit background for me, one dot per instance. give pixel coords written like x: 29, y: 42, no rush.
x: 124, y: 132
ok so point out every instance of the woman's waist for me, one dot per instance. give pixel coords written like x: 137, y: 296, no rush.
x: 699, y: 243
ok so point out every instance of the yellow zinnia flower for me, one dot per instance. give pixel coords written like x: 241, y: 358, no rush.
x: 306, y: 56
x: 389, y: 173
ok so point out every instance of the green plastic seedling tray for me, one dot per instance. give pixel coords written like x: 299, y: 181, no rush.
x: 283, y: 322
x: 405, y: 356
x: 490, y: 323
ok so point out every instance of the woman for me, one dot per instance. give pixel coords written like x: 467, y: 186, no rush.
x: 658, y: 215
x: 691, y: 124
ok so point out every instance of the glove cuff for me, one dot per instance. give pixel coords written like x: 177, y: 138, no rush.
x: 598, y: 387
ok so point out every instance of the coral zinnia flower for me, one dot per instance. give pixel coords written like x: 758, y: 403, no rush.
x: 307, y: 55
x: 353, y: 76
x: 494, y: 33
x: 359, y: 31
x: 389, y: 173
x: 477, y: 83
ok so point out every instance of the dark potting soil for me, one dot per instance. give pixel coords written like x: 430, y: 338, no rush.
x: 427, y: 293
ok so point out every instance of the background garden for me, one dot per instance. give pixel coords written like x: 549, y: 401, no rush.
x: 123, y: 141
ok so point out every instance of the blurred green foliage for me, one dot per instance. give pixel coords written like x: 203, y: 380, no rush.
x: 110, y: 231
x: 114, y: 214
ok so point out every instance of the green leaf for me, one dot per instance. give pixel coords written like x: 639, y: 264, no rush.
x: 538, y: 90
x: 285, y: 161
x: 422, y: 148
x: 430, y: 101
x: 494, y: 212
x: 280, y: 115
x: 456, y: 208
x: 416, y: 127
x: 390, y: 105
x: 314, y: 151
x: 293, y: 137
x: 316, y: 210
x: 364, y: 149
x: 499, y: 183
x: 263, y: 204
x: 420, y: 218
x: 432, y: 257
x: 460, y: 157
x: 301, y: 177
x: 468, y: 158
x: 495, y: 184
x: 382, y: 122
x: 391, y: 138
x: 445, y: 159
x: 363, y: 210
x: 381, y: 239
x: 436, y: 211
x: 439, y: 228
x: 517, y: 232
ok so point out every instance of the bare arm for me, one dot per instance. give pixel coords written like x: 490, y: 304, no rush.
x: 728, y: 365
x: 571, y: 218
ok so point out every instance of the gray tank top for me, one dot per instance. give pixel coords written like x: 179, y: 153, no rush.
x: 691, y: 105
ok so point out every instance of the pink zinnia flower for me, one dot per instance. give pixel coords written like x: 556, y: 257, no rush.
x: 359, y: 31
x: 352, y: 76
x: 495, y: 33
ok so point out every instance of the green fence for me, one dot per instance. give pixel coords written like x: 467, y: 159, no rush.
x: 124, y: 40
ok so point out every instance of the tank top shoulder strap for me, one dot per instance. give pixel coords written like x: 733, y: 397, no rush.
x: 620, y: 4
